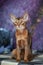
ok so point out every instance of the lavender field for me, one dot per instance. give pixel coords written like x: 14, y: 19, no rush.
x: 18, y: 7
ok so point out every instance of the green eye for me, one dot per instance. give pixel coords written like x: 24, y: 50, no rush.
x: 23, y: 23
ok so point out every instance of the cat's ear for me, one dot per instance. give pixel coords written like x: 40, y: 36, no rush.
x: 25, y: 17
x: 13, y: 18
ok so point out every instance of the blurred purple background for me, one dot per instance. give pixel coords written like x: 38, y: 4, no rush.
x: 18, y: 7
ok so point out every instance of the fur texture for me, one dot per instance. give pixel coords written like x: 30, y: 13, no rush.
x: 23, y: 38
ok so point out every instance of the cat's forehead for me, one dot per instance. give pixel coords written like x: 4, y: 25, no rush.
x: 18, y: 18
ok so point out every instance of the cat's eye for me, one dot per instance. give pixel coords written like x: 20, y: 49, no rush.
x: 23, y: 24
x: 15, y: 23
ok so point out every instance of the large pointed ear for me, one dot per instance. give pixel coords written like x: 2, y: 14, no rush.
x: 13, y: 18
x: 25, y: 17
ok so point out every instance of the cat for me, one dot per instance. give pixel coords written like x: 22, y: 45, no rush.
x: 23, y: 38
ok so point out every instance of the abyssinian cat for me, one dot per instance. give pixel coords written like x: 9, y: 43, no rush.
x: 23, y: 38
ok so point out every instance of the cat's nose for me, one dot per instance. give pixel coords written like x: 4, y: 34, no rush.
x: 18, y: 24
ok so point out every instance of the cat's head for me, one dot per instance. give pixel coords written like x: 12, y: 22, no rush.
x: 20, y: 23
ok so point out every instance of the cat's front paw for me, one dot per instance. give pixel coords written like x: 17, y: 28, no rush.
x: 30, y: 57
x: 26, y: 60
x: 18, y: 59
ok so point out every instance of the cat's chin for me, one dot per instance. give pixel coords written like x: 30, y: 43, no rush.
x: 20, y: 29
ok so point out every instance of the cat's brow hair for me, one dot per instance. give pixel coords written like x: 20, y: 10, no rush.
x: 19, y: 19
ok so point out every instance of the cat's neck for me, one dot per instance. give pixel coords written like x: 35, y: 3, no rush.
x: 21, y: 30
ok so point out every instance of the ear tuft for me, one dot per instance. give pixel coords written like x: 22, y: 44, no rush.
x: 13, y: 18
x: 25, y: 17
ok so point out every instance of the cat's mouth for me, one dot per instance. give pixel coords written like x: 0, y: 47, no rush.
x: 20, y: 27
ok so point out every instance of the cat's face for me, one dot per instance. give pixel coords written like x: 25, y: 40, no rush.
x: 20, y: 23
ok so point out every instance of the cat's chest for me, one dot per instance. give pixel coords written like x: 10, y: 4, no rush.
x: 24, y: 33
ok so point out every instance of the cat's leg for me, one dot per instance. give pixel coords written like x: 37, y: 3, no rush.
x: 13, y: 53
x: 30, y: 55
x: 18, y: 50
x: 26, y: 51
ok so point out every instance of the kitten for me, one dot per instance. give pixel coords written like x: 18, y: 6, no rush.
x: 23, y: 39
